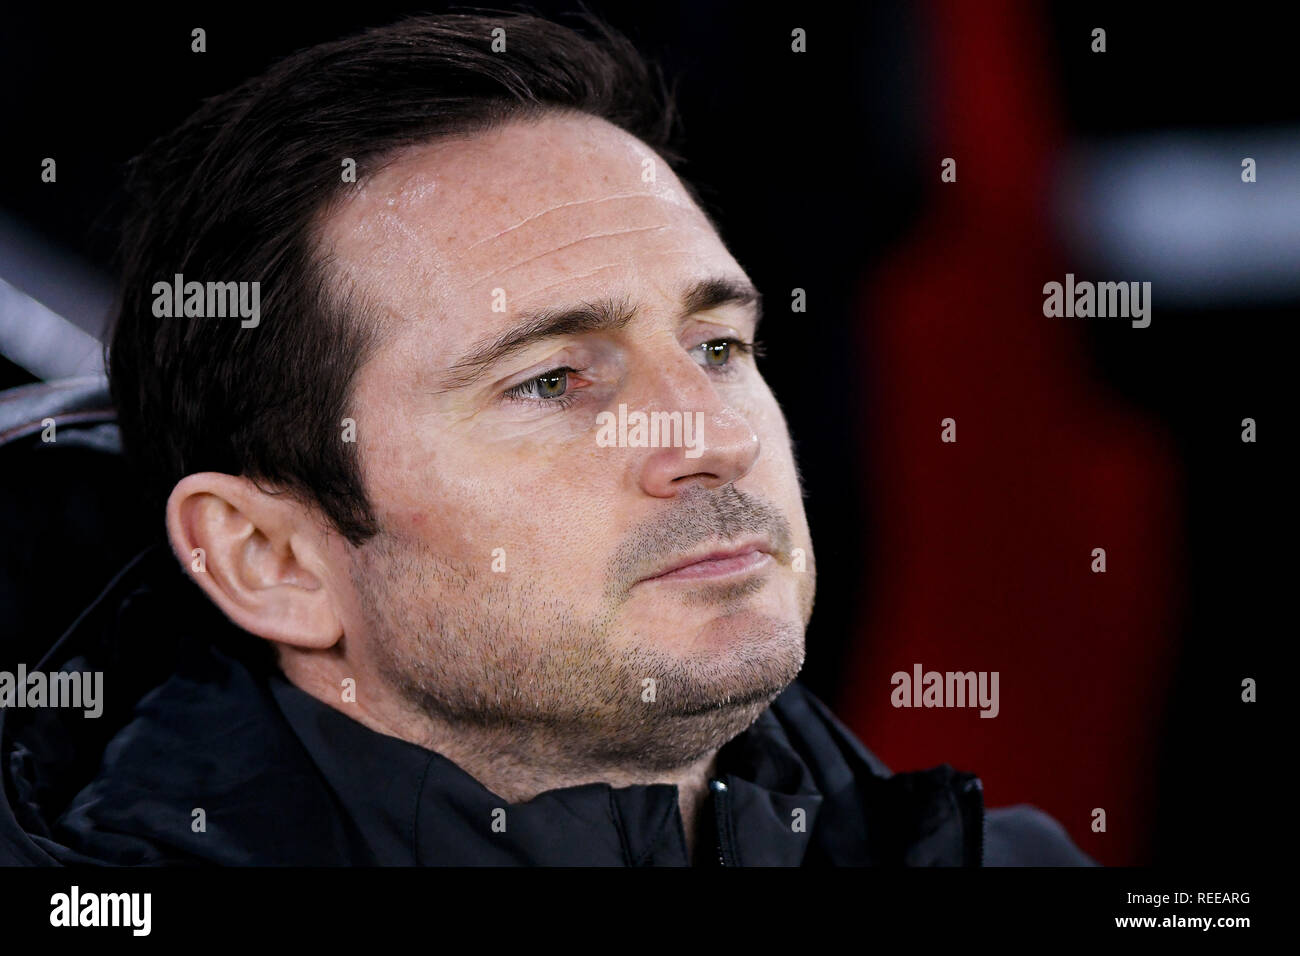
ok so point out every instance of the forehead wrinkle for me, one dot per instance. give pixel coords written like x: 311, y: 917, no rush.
x: 599, y: 269
x: 572, y: 278
x: 567, y: 245
x: 667, y: 195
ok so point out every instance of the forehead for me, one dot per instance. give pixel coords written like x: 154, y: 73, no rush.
x: 562, y: 207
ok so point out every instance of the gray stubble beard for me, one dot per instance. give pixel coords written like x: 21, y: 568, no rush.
x: 524, y: 675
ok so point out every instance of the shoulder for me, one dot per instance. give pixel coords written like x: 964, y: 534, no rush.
x: 1023, y: 835
x: 1019, y: 835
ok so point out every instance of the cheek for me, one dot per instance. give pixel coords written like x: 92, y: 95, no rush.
x: 541, y: 476
x: 535, y: 509
x: 408, y: 483
x: 555, y: 502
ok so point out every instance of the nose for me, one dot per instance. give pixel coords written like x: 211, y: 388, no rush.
x: 717, y: 446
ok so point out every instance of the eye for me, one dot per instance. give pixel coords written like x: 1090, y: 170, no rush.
x: 553, y: 384
x: 547, y: 387
x: 717, y: 353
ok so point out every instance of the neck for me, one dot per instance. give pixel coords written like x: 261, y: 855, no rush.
x: 519, y: 774
x: 517, y: 764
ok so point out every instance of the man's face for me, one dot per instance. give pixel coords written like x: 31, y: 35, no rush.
x: 518, y: 581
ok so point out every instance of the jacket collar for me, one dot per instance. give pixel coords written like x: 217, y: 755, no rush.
x: 800, y: 787
x: 414, y: 806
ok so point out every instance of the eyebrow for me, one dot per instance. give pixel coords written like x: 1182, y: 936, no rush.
x: 603, y: 315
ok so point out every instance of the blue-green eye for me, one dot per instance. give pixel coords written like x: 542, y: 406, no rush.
x: 717, y: 353
x: 553, y: 384
x: 547, y: 387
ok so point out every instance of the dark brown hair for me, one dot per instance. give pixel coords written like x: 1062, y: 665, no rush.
x: 235, y: 195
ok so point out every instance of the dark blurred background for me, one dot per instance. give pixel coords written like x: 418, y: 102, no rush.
x: 1119, y: 691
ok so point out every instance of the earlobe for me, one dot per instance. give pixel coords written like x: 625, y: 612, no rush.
x: 257, y: 556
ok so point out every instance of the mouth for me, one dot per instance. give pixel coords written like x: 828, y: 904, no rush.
x: 744, y: 558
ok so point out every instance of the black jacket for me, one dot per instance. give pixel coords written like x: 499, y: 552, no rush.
x: 200, y: 756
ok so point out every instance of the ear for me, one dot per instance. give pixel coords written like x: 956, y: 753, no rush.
x: 264, y: 561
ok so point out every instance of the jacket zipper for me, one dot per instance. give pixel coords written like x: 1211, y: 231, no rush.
x: 975, y: 819
x: 721, y: 807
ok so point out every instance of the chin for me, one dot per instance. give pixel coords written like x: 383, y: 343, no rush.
x: 747, y: 632
x: 742, y: 653
x: 740, y: 661
x: 717, y: 619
